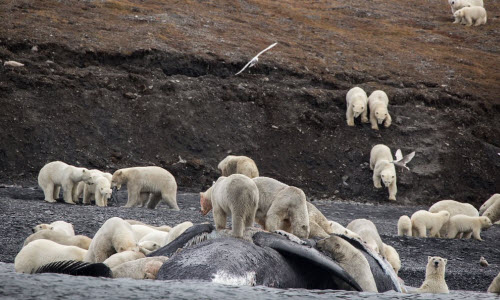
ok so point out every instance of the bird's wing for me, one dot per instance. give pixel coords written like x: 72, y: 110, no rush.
x: 399, y: 155
x: 244, y: 67
x: 407, y: 158
x: 266, y: 49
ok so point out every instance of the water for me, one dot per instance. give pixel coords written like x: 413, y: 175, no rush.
x: 55, y: 286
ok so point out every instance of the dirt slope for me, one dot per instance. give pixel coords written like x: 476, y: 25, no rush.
x: 120, y: 83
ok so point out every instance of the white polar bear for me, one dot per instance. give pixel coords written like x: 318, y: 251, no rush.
x: 177, y: 231
x: 351, y: 260
x: 114, y: 236
x: 165, y: 228
x: 59, y: 226
x: 378, y: 102
x: 100, y: 191
x: 60, y: 238
x: 465, y: 224
x: 149, y: 246
x: 141, y: 231
x: 423, y: 220
x: 157, y: 237
x: 495, y: 285
x: 236, y: 195
x: 282, y: 207
x: 318, y: 223
x: 339, y: 229
x: 79, y: 191
x: 238, y: 165
x: 368, y: 233
x: 357, y: 104
x: 56, y: 175
x: 404, y: 226
x: 42, y: 252
x: 434, y: 277
x: 488, y: 203
x: 459, y: 4
x: 142, y: 268
x: 469, y: 15
x: 119, y: 258
x: 381, y: 162
x: 454, y: 208
x: 392, y: 257
x: 147, y: 180
x: 493, y: 212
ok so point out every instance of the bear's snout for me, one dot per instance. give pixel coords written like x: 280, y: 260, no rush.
x: 436, y: 264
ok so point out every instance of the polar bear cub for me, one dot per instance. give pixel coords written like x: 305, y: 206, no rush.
x: 357, y: 104
x: 42, y: 252
x: 459, y: 4
x: 423, y: 220
x: 469, y: 15
x: 100, y: 191
x: 236, y: 195
x: 404, y: 226
x: 147, y: 180
x: 466, y: 224
x: 381, y: 162
x: 454, y: 208
x: 59, y: 226
x: 378, y: 102
x: 56, y: 175
x: 434, y: 277
x: 238, y: 165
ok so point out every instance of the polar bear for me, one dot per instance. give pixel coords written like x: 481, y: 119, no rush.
x: 454, y: 208
x: 144, y: 180
x: 495, y: 285
x: 493, y: 212
x: 381, y: 162
x: 156, y: 236
x: 368, y: 233
x: 404, y: 226
x: 94, y: 173
x: 149, y: 246
x: 434, y: 277
x: 351, y: 260
x: 42, y: 252
x: 59, y: 226
x: 341, y: 230
x: 469, y: 15
x: 238, y: 165
x: 282, y: 207
x: 165, y: 228
x: 488, y: 203
x: 459, y: 4
x: 318, y: 223
x: 378, y: 102
x: 177, y: 231
x: 423, y: 220
x: 141, y: 231
x: 100, y: 191
x: 236, y: 195
x: 60, y: 238
x: 392, y: 257
x: 465, y: 224
x: 114, y: 236
x: 142, y: 268
x: 56, y: 175
x: 357, y: 104
x: 119, y: 258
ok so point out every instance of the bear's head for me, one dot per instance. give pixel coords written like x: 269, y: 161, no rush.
x: 106, y: 192
x: 118, y: 179
x: 485, y: 222
x: 388, y: 176
x: 381, y: 113
x: 149, y: 245
x: 435, y: 265
x: 205, y: 203
x: 86, y: 176
x: 445, y: 214
x: 358, y: 107
x: 42, y: 227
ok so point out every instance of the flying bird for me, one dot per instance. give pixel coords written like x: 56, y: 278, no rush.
x: 401, y: 160
x: 254, y: 60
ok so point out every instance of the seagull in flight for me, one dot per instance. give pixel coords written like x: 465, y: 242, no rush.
x: 254, y: 60
x: 402, y: 161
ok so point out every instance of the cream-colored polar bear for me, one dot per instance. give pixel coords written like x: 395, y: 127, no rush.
x: 177, y: 231
x: 236, y: 195
x: 378, y: 102
x: 141, y: 231
x: 495, y: 285
x: 381, y: 162
x: 351, y: 260
x: 368, y: 233
x: 404, y: 226
x: 238, y: 165
x: 423, y: 220
x: 493, y: 212
x: 357, y: 104
x: 392, y: 257
x: 59, y: 226
x: 41, y: 252
x: 339, y: 229
x: 114, y: 236
x: 79, y: 191
x: 469, y: 15
x: 465, y: 224
x: 434, y: 277
x: 319, y: 226
x: 165, y: 228
x: 100, y: 191
x: 142, y: 268
x: 148, y: 247
x: 488, y: 203
x: 459, y: 4
x: 282, y: 207
x: 454, y: 208
x: 56, y: 175
x: 147, y: 180
x: 60, y: 238
x: 157, y: 237
x: 119, y: 258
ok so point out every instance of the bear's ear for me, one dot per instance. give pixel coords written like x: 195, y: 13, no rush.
x: 429, y: 258
x: 119, y: 172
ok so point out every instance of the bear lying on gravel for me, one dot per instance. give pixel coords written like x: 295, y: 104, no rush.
x: 59, y: 226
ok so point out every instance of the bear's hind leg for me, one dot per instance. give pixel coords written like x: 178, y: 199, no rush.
x: 238, y: 225
x: 467, y: 235
x: 68, y: 193
x: 133, y: 196
x: 170, y: 199
x: 219, y: 219
x: 48, y: 191
x: 434, y: 233
x: 57, y: 190
x: 154, y: 200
